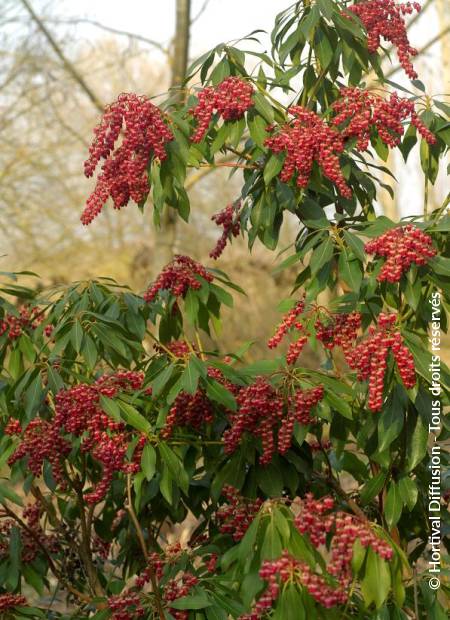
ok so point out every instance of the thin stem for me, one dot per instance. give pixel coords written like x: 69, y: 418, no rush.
x: 143, y: 544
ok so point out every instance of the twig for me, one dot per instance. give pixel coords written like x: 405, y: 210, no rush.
x: 68, y: 66
x: 143, y: 545
x: 124, y: 33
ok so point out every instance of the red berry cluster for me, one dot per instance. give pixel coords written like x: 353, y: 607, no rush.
x: 230, y: 99
x: 178, y: 348
x: 236, y: 516
x: 263, y: 412
x: 228, y: 218
x: 316, y: 520
x: 126, y: 606
x: 14, y: 326
x: 401, y: 247
x: 363, y: 110
x: 8, y: 601
x: 180, y: 275
x: 338, y: 330
x: 176, y: 588
x: 319, y: 446
x: 369, y: 358
x: 289, y: 569
x: 260, y: 408
x: 289, y: 320
x: 40, y: 442
x: 308, y: 138
x: 192, y: 410
x: 124, y: 172
x: 78, y: 412
x: 299, y: 410
x: 156, y: 566
x: 386, y: 18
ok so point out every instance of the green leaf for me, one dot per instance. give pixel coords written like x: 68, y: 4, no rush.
x: 270, y: 480
x: 199, y: 600
x: 393, y: 505
x: 263, y: 107
x: 89, y: 351
x: 321, y: 255
x: 174, y: 465
x: 271, y: 547
x: 148, y: 461
x: 351, y: 271
x: 339, y: 404
x: 390, y: 424
x: 161, y: 380
x: 9, y: 494
x: 408, y: 491
x: 190, y: 377
x: 373, y: 487
x: 257, y: 127
x: 217, y: 392
x: 76, y: 336
x: 377, y: 580
x: 356, y: 245
x: 416, y: 445
x: 132, y: 417
x: 272, y: 168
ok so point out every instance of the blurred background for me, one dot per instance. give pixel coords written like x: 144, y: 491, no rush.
x: 63, y: 60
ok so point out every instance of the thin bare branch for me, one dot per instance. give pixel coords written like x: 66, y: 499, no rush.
x: 201, y: 11
x: 123, y: 33
x: 68, y: 66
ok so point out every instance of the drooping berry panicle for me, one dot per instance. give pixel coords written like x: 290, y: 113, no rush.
x: 338, y: 330
x: 9, y: 601
x: 401, y: 246
x: 124, y: 173
x: 286, y: 569
x: 180, y: 275
x: 370, y: 357
x: 305, y: 139
x: 299, y: 409
x: 260, y: 409
x: 78, y: 412
x: 317, y: 520
x: 228, y: 219
x: 230, y: 99
x: 386, y: 19
x: 126, y: 606
x: 363, y: 111
x: 177, y: 588
x: 191, y: 410
x: 263, y: 412
x: 289, y: 321
x: 14, y: 326
x: 236, y: 516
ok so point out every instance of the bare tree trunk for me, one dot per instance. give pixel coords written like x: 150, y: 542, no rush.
x: 165, y: 240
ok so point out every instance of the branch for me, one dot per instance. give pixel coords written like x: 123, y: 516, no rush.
x: 123, y: 33
x: 68, y: 66
x: 201, y: 11
x: 143, y: 545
